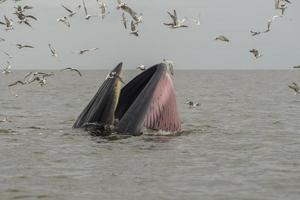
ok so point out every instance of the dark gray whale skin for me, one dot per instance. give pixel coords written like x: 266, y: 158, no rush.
x: 101, y: 108
x: 125, y: 110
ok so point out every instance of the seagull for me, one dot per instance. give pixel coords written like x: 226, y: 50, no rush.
x: 254, y: 33
x: 87, y: 16
x: 270, y: 22
x: 31, y: 75
x: 124, y: 20
x: 141, y: 67
x: 191, y: 104
x: 134, y: 31
x: 295, y: 87
x: 9, y: 56
x: 281, y: 5
x: 137, y: 18
x: 53, y: 51
x: 21, y: 46
x: 2, y: 39
x: 297, y: 67
x: 6, y: 70
x: 22, y: 9
x: 170, y: 65
x: 114, y: 75
x: 71, y: 12
x: 222, y: 38
x: 8, y: 23
x: 103, y: 8
x: 72, y: 69
x: 256, y: 53
x: 176, y: 22
x: 82, y: 51
x: 64, y: 20
x: 41, y: 80
x: 16, y: 83
x: 120, y: 4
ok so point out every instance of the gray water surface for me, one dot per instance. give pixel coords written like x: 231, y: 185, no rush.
x: 243, y: 142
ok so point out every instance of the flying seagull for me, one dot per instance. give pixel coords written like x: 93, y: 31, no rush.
x: 256, y: 53
x: 71, y: 12
x: 2, y: 39
x: 120, y: 4
x: 297, y: 67
x: 176, y: 22
x: 8, y: 23
x: 64, y: 20
x: 103, y: 8
x: 6, y: 70
x: 295, y: 87
x: 254, y: 33
x: 124, y: 20
x: 270, y: 22
x: 222, y: 38
x: 16, y: 83
x: 137, y: 18
x: 134, y: 30
x: 21, y: 46
x: 9, y: 56
x: 87, y: 16
x: 72, y: 69
x: 83, y: 51
x: 53, y: 51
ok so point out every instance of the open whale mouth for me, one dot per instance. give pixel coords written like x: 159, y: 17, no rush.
x: 146, y: 101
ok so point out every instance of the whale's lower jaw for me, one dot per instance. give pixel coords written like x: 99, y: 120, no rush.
x: 147, y: 101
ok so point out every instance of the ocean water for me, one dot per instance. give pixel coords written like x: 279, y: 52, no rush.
x: 243, y: 142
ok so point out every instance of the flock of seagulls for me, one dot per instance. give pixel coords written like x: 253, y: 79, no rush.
x: 128, y: 15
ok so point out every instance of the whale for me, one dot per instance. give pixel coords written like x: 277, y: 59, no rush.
x: 148, y: 101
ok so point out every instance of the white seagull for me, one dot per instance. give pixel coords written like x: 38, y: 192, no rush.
x: 83, y: 51
x: 53, y: 51
x: 8, y: 23
x: 72, y: 69
x: 87, y: 16
x: 141, y: 67
x: 176, y: 22
x: 222, y: 38
x: 64, y: 20
x: 6, y: 70
x: 255, y: 53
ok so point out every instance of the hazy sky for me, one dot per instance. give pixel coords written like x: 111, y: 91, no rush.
x: 191, y: 48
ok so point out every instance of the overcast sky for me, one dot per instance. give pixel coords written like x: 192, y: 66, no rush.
x: 190, y: 48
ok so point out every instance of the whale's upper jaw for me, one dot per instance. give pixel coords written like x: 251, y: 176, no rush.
x: 102, y: 107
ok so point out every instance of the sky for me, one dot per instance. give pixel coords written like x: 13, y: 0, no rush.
x: 190, y: 48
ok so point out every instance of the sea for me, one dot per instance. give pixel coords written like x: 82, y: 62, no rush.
x: 241, y: 143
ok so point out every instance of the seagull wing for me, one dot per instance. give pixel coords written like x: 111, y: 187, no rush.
x: 173, y: 18
x: 76, y: 70
x: 124, y: 20
x: 131, y: 12
x: 15, y: 83
x: 133, y: 28
x: 28, y: 46
x: 32, y: 17
x: 6, y: 20
x: 85, y: 10
x: 67, y: 9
